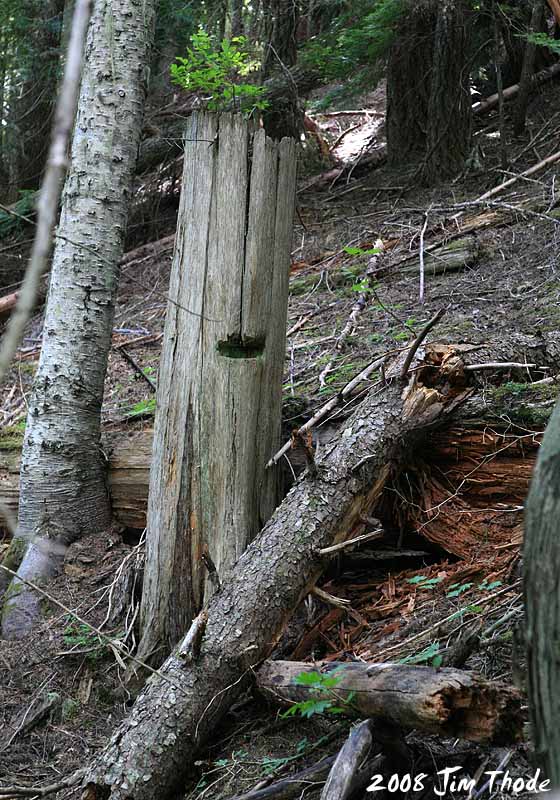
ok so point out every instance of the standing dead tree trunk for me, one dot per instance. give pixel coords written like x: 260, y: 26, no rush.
x: 63, y: 494
x: 220, y: 389
x: 541, y: 564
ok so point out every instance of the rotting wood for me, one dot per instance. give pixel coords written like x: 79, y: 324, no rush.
x: 128, y: 462
x: 445, y: 701
x: 154, y: 747
x: 450, y: 257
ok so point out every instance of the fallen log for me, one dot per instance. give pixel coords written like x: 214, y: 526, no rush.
x: 9, y: 302
x: 512, y: 91
x: 178, y: 710
x: 128, y: 458
x: 450, y: 257
x: 445, y: 701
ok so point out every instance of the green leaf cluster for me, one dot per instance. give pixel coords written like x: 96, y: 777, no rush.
x: 322, y: 700
x: 216, y: 73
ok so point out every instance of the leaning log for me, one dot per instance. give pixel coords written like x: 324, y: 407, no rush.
x: 152, y: 750
x: 448, y: 702
x: 179, y: 709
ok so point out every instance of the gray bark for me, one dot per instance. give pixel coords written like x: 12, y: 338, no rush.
x: 220, y: 387
x: 63, y: 494
x: 541, y: 565
x: 350, y: 761
x: 445, y: 701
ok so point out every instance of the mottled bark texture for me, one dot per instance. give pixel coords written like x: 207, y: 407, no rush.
x: 409, y: 76
x: 220, y: 388
x: 153, y: 749
x: 541, y: 564
x: 283, y: 117
x: 428, y: 97
x: 450, y: 108
x: 63, y: 494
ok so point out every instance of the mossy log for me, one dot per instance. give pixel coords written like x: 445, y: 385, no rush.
x: 451, y: 257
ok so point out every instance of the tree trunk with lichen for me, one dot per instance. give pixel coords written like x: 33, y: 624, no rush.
x: 63, y: 492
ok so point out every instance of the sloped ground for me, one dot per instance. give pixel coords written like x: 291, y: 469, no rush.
x: 450, y: 566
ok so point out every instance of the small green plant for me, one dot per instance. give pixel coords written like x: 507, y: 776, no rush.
x: 78, y: 635
x: 358, y: 251
x: 423, y: 582
x: 430, y: 655
x: 215, y: 72
x: 487, y: 587
x: 323, y: 700
x: 544, y: 40
x: 457, y: 589
x: 142, y: 408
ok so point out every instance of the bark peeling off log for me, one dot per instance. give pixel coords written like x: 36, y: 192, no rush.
x: 445, y: 701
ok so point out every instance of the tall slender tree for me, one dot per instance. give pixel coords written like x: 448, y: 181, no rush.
x: 63, y: 494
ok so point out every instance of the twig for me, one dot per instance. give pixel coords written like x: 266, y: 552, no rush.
x: 333, y: 403
x: 357, y: 309
x: 418, y: 341
x: 500, y: 365
x: 135, y: 366
x: 365, y: 537
x: 546, y: 162
x: 421, y: 256
x: 42, y: 791
x: 441, y: 622
x: 338, y: 602
x: 51, y: 188
x: 113, y: 644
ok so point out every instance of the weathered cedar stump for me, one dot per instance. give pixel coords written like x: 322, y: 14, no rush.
x: 220, y: 386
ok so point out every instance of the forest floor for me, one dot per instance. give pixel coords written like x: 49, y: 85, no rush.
x: 452, y: 567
